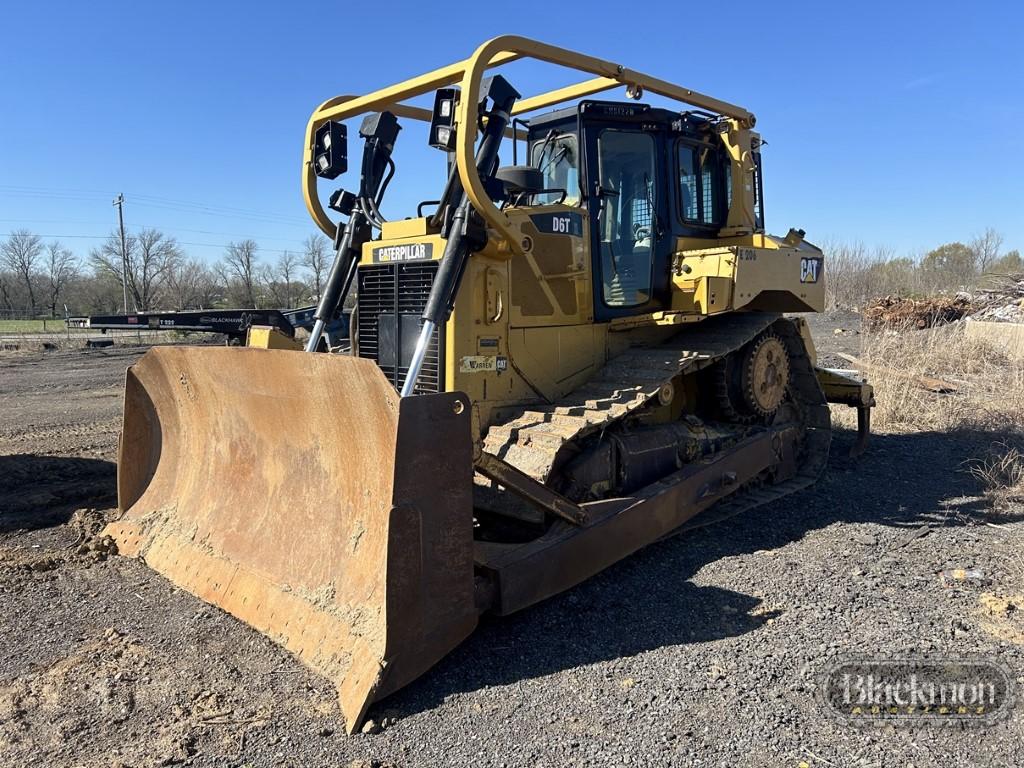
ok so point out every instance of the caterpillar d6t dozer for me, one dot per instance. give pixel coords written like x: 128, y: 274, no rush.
x: 556, y: 363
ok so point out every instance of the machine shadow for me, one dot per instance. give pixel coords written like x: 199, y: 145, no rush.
x: 647, y: 601
x: 42, y: 491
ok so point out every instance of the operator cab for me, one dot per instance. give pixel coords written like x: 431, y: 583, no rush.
x: 647, y: 177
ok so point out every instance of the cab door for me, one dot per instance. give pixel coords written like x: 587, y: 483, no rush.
x: 628, y: 213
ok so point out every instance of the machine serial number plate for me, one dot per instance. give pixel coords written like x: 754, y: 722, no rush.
x: 386, y: 254
x: 810, y: 270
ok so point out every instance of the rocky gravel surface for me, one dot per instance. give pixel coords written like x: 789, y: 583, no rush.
x: 705, y: 649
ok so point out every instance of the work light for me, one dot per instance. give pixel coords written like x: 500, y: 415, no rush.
x: 330, y: 150
x: 442, y: 120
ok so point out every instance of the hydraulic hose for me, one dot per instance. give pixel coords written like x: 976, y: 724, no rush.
x: 460, y: 242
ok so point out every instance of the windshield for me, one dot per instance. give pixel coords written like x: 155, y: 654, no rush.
x: 557, y: 158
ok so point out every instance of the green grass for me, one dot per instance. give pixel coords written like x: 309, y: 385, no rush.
x: 31, y: 326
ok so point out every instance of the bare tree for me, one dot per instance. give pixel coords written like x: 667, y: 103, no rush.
x: 241, y: 264
x: 21, y: 253
x: 856, y: 274
x: 98, y: 293
x: 287, y: 265
x: 61, y: 267
x: 315, y: 258
x: 986, y: 248
x: 191, y: 285
x: 269, y: 290
x: 281, y: 283
x: 844, y: 261
x: 158, y: 255
x: 106, y: 262
x: 6, y: 289
x: 151, y: 256
x: 210, y: 290
x: 224, y: 277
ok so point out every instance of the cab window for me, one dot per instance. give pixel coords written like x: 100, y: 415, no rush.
x: 758, y: 192
x: 701, y: 179
x: 557, y: 158
x: 710, y: 187
x: 688, y: 183
x: 626, y: 221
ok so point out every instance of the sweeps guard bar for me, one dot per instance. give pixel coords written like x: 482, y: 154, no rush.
x: 469, y: 74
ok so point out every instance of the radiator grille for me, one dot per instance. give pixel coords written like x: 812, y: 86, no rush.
x: 391, y: 300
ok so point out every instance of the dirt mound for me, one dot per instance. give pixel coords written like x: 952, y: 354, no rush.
x: 90, y: 546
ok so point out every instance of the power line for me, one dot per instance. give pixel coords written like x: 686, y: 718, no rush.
x: 276, y: 219
x: 153, y: 201
x: 180, y: 242
x: 268, y: 218
x: 160, y: 227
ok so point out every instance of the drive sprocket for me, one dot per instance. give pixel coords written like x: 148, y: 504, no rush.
x: 765, y: 375
x: 751, y: 383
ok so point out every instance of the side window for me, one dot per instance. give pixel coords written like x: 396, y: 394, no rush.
x: 558, y: 160
x: 626, y: 222
x: 758, y: 192
x: 701, y: 179
x: 688, y: 182
x: 728, y: 189
x: 711, y: 181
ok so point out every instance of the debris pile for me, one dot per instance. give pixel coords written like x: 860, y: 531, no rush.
x: 897, y: 312
x: 1003, y: 303
x: 1002, y: 300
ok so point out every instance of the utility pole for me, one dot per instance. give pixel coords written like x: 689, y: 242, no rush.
x: 119, y: 202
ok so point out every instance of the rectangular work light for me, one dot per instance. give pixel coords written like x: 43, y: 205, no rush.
x: 330, y: 150
x: 442, y: 120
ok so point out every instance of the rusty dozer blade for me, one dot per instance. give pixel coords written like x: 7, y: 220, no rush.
x: 301, y: 494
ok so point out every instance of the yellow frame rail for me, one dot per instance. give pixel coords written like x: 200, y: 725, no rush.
x: 468, y: 73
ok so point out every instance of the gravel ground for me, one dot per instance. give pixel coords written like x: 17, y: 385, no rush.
x: 701, y: 650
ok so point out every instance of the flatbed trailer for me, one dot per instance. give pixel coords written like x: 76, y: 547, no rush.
x: 234, y: 323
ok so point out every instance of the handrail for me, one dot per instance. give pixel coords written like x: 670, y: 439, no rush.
x: 469, y: 73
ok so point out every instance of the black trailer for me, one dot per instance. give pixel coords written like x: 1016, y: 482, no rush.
x: 234, y: 323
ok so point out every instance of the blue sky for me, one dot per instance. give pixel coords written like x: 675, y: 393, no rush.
x: 895, y: 124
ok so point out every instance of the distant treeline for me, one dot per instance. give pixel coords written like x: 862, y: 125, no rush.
x: 855, y: 274
x: 39, y: 278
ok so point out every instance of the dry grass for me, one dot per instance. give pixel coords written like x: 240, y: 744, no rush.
x: 985, y: 395
x: 989, y: 386
x: 1001, y: 473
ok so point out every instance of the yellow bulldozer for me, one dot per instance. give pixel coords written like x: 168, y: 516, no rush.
x: 553, y: 364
